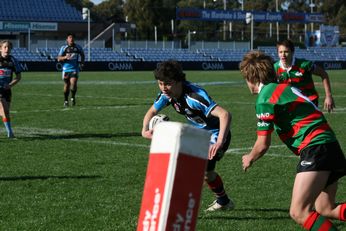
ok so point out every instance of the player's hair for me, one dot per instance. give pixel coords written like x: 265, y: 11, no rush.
x: 287, y: 43
x: 70, y: 34
x: 168, y: 71
x: 2, y: 42
x: 257, y: 67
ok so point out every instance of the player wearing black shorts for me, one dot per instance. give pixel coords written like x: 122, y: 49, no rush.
x: 69, y: 55
x: 8, y: 66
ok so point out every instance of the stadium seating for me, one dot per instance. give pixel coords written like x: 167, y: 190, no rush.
x: 153, y: 54
x: 157, y: 55
x: 39, y: 10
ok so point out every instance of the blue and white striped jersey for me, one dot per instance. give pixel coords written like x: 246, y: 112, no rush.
x: 195, y: 104
x: 71, y: 65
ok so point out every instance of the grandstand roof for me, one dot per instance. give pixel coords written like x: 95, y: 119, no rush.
x: 39, y: 11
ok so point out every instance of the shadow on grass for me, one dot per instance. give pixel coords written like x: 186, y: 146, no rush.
x: 22, y: 178
x: 249, y: 214
x: 80, y: 136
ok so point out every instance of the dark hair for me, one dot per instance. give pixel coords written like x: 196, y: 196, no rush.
x: 168, y: 71
x: 257, y: 67
x: 70, y: 34
x: 287, y: 43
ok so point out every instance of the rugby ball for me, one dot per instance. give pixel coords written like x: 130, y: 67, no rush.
x: 157, y: 119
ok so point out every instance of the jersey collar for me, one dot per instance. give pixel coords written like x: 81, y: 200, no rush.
x: 287, y: 69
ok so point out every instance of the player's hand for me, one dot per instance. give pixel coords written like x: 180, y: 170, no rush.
x: 213, y: 149
x: 148, y: 134
x: 68, y: 56
x: 81, y: 66
x: 329, y: 104
x: 247, y: 162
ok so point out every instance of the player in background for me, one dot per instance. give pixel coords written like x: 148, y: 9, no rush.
x: 298, y: 73
x: 304, y: 129
x: 8, y: 66
x: 201, y: 111
x: 69, y: 55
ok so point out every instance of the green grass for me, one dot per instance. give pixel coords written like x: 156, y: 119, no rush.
x: 83, y: 168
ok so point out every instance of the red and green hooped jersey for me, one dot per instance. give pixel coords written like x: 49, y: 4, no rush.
x: 297, y: 121
x: 298, y: 75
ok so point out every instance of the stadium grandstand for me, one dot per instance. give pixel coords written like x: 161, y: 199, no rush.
x: 38, y: 28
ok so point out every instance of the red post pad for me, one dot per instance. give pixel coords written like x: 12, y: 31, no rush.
x: 174, y: 180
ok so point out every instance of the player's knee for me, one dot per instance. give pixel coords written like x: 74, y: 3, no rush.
x: 299, y: 216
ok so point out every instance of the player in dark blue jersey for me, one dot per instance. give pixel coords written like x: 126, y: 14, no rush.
x: 70, y: 55
x: 8, y: 66
x: 201, y: 111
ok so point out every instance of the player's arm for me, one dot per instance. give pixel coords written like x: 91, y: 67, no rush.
x: 261, y: 146
x: 329, y: 104
x: 15, y: 80
x: 82, y: 57
x: 225, y: 121
x: 62, y: 56
x: 146, y: 133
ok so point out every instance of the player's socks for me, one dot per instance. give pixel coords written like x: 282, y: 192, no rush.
x: 66, y: 94
x: 316, y: 222
x: 8, y: 127
x: 217, y: 187
x: 342, y: 216
x: 73, y: 92
x: 73, y: 96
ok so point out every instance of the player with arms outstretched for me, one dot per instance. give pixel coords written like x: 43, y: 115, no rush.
x: 305, y: 131
x: 8, y: 66
x: 69, y: 55
x: 201, y: 111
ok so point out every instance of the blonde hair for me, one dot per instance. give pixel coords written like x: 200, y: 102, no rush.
x: 257, y: 67
x: 2, y: 42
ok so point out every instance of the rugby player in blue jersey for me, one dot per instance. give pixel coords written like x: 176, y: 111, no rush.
x: 70, y: 55
x: 201, y: 111
x: 8, y: 66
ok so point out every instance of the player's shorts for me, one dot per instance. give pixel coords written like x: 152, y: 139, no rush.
x: 323, y: 157
x: 212, y: 163
x: 66, y: 76
x: 6, y: 94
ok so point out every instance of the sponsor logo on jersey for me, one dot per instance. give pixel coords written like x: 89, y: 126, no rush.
x: 263, y: 115
x: 5, y: 73
x: 305, y: 163
x: 262, y: 124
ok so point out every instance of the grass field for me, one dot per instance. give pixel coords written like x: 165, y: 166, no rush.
x: 83, y: 168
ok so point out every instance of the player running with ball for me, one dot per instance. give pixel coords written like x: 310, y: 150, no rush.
x: 201, y: 111
x: 305, y: 131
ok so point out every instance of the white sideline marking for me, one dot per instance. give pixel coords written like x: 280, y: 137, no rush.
x: 75, y: 108
x: 124, y: 82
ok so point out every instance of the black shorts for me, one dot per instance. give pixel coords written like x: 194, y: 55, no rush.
x: 323, y: 157
x: 68, y: 75
x: 212, y: 163
x: 6, y: 94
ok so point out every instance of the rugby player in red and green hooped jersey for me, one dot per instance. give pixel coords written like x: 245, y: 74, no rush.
x: 304, y: 129
x: 298, y: 73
